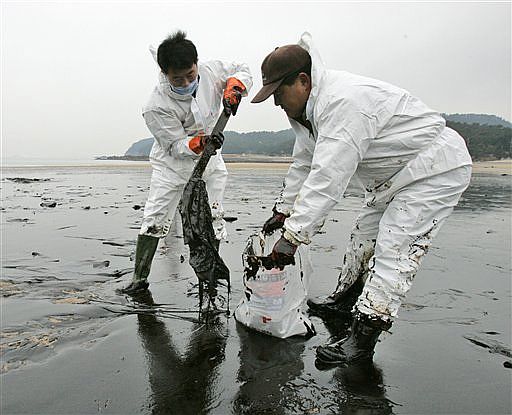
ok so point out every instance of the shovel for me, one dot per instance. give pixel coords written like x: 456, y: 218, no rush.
x: 198, y: 231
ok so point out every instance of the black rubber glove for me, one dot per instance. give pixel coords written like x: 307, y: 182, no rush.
x: 231, y: 105
x: 274, y: 223
x: 283, y: 253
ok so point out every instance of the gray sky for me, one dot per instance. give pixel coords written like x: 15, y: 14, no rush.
x: 75, y: 74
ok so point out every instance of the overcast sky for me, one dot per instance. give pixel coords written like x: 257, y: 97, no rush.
x: 76, y: 74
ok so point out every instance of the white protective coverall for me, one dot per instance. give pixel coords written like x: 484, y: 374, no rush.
x: 174, y: 120
x: 413, y: 169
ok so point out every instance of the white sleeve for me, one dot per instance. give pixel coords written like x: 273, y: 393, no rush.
x: 344, y: 134
x: 169, y: 133
x: 299, y: 169
x: 225, y: 70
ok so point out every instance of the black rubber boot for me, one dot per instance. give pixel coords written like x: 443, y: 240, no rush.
x: 358, y: 346
x: 144, y: 253
x: 336, y: 303
x: 135, y: 287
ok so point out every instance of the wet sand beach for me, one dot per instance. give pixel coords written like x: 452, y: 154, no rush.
x: 493, y: 167
x: 71, y: 345
x: 238, y: 162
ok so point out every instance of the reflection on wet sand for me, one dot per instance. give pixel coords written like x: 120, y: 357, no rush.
x: 273, y: 380
x: 362, y: 390
x: 181, y: 384
x: 360, y: 386
x: 267, y: 366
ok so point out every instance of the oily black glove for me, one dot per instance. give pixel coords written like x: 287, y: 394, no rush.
x: 283, y: 253
x: 274, y: 223
x: 217, y: 139
x: 231, y: 105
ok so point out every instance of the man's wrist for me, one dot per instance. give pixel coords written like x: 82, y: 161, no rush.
x: 280, y: 210
x: 290, y: 238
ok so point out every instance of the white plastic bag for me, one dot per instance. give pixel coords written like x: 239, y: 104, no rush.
x: 274, y: 299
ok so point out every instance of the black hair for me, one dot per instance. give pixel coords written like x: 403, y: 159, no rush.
x: 176, y: 52
x: 290, y: 79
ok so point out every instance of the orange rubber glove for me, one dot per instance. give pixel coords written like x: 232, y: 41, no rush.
x: 233, y: 95
x: 197, y: 144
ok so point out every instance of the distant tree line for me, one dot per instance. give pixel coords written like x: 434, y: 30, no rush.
x: 489, y: 141
x: 485, y: 142
x: 484, y: 119
x: 269, y: 143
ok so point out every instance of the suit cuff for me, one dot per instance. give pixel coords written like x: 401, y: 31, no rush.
x: 290, y: 237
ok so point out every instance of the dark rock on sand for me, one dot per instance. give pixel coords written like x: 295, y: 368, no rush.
x: 24, y: 180
x: 101, y: 264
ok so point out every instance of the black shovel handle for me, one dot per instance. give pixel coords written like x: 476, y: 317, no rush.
x: 210, y: 149
x: 221, y: 122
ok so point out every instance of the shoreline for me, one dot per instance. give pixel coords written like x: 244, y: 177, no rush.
x: 495, y: 167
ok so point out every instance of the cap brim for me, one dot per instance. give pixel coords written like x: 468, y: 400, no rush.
x: 266, y: 91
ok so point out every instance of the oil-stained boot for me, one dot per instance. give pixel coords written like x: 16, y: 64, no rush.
x: 336, y: 303
x: 358, y: 346
x: 144, y: 253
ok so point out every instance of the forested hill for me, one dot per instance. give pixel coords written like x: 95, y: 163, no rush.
x: 272, y: 143
x: 484, y: 119
x: 485, y: 142
x: 275, y: 143
x: 491, y: 139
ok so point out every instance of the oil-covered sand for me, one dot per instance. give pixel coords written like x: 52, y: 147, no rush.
x: 70, y: 344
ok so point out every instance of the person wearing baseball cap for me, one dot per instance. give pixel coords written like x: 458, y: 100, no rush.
x: 412, y: 167
x: 284, y: 63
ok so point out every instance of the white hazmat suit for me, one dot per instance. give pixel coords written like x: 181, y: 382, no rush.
x: 174, y: 120
x: 413, y: 169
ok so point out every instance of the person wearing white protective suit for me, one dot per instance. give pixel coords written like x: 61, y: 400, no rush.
x: 181, y: 113
x: 413, y: 168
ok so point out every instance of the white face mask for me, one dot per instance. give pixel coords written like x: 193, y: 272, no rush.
x: 185, y: 90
